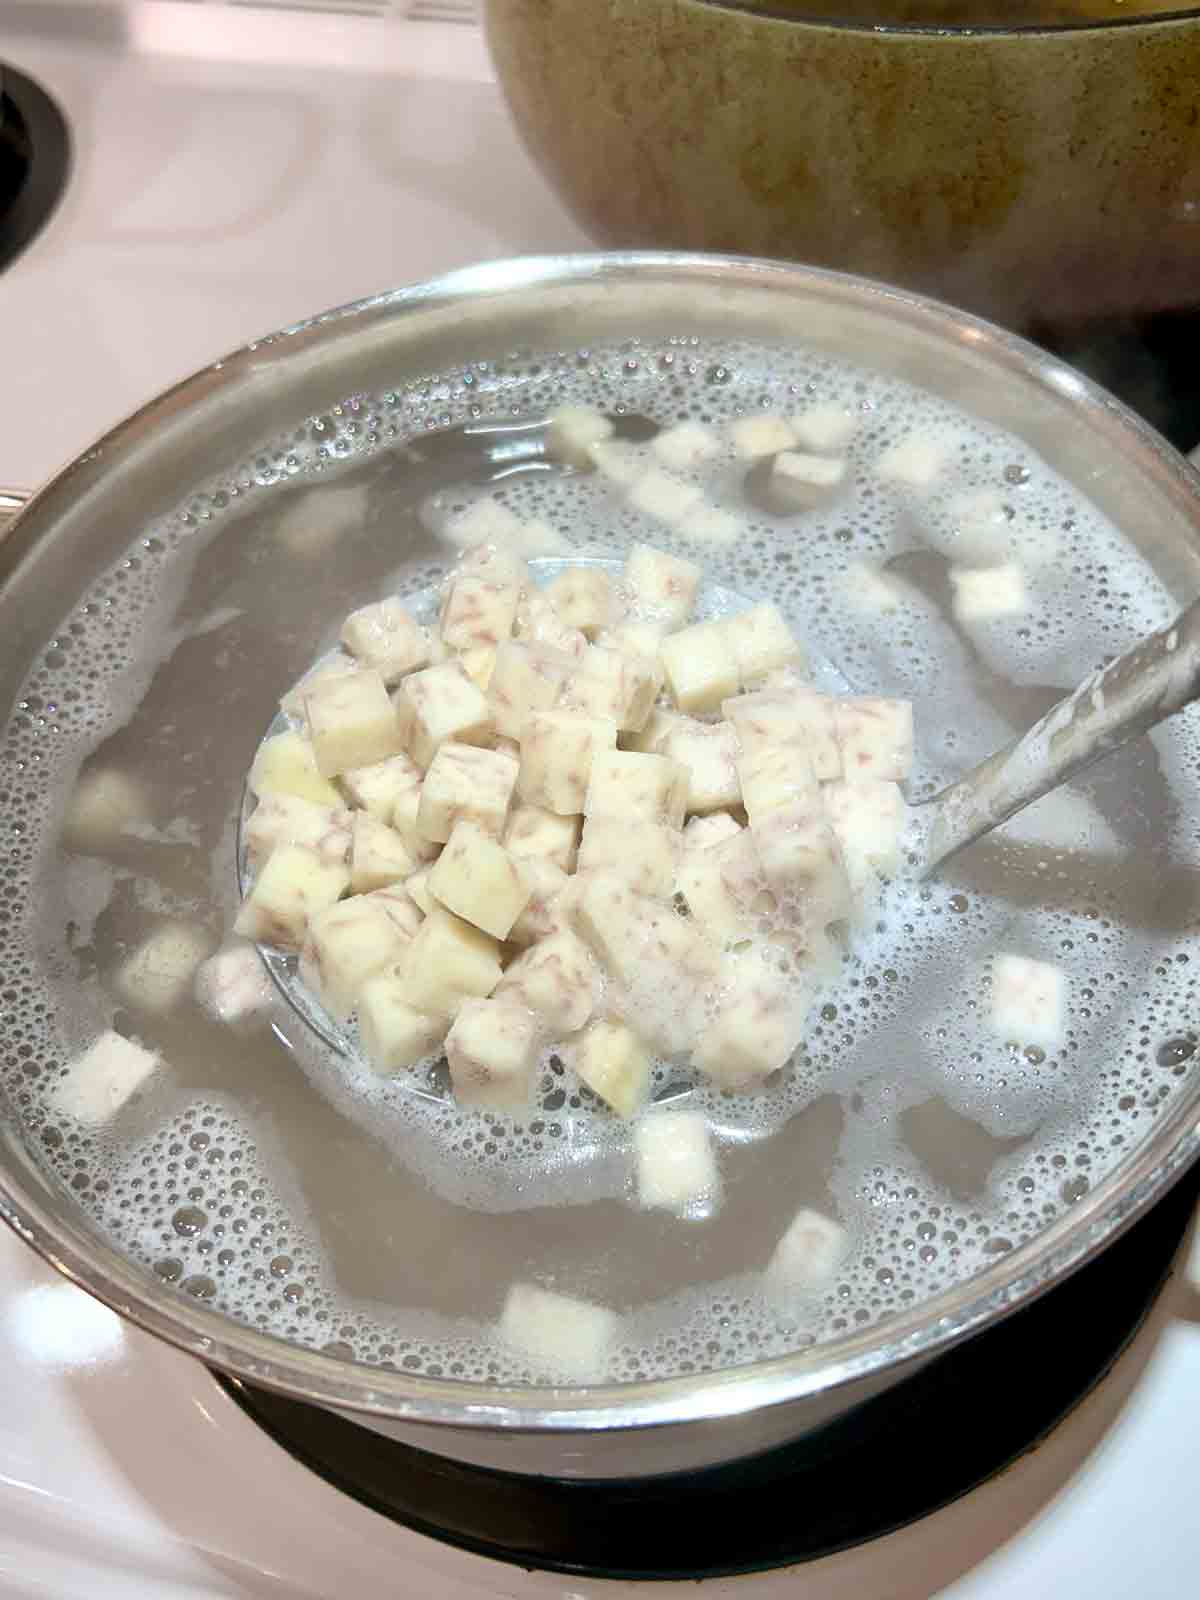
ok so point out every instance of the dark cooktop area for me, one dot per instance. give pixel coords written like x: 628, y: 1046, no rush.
x: 35, y: 161
x: 1151, y: 363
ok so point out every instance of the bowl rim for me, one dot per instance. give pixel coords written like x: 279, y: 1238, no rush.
x: 932, y: 1326
x: 770, y: 11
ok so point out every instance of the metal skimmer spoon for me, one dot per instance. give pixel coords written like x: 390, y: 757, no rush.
x: 1151, y: 681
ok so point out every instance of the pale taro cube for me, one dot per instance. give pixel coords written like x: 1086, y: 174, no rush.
x: 492, y: 1050
x: 100, y: 806
x: 765, y: 719
x: 538, y: 538
x: 758, y: 1021
x: 686, y: 445
x: 983, y: 594
x: 558, y: 980
x: 479, y: 663
x: 826, y: 428
x: 709, y: 754
x: 661, y: 588
x: 625, y: 783
x: 394, y: 1035
x: 293, y: 886
x: 286, y: 819
x: 975, y: 530
x: 668, y: 978
x: 762, y: 435
x: 351, y: 722
x: 704, y: 833
x: 485, y: 522
x: 347, y: 944
x: 761, y: 642
x: 770, y: 718
x: 613, y: 1062
x: 778, y: 776
x: 612, y: 918
x: 875, y: 737
x: 664, y: 969
x: 614, y: 686
x: 535, y: 833
x: 233, y: 985
x: 477, y: 879
x: 557, y: 748
x: 573, y: 431
x: 802, y: 864
x: 544, y: 913
x: 317, y: 519
x: 712, y: 525
x: 868, y: 819
x: 280, y: 819
x: 807, y: 1258
x: 643, y: 852
x: 404, y: 821
x: 287, y: 764
x: 405, y: 914
x: 617, y: 461
x: 584, y: 599
x: 159, y: 973
x: 676, y: 1165
x: 101, y: 1081
x: 378, y: 855
x: 385, y: 637
x: 803, y: 482
x: 560, y: 1335
x: 417, y: 889
x: 538, y: 623
x: 440, y: 705
x: 724, y: 888
x: 478, y: 611
x: 700, y: 666
x: 1029, y: 1000
x: 446, y: 962
x: 465, y: 783
x: 812, y: 950
x: 377, y: 788
x: 650, y: 738
x: 496, y: 563
x: 664, y: 496
x: 915, y: 462
x: 525, y: 678
x: 338, y: 666
x: 633, y: 639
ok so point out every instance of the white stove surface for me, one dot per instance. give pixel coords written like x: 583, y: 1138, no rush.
x: 237, y: 169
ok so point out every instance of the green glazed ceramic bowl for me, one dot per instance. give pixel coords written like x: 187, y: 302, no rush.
x: 1045, y: 172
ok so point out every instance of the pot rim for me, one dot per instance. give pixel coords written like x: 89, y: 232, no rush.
x: 927, y: 1329
x: 774, y: 12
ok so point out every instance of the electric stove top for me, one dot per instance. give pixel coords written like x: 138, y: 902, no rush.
x: 227, y: 169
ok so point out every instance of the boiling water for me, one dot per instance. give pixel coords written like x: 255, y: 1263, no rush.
x: 283, y: 1183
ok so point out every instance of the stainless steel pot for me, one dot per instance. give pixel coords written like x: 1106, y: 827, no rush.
x: 187, y: 436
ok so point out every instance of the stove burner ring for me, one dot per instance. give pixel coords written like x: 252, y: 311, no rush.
x: 35, y: 161
x: 897, y: 1458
